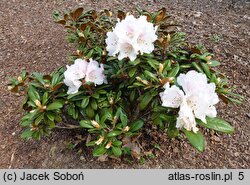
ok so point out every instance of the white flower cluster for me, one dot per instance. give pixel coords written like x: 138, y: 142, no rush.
x: 91, y: 71
x: 131, y: 36
x: 196, y: 99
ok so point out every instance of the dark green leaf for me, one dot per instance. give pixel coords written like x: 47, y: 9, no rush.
x: 196, y: 139
x: 90, y: 112
x: 33, y: 94
x: 172, y: 130
x: 174, y: 71
x: 55, y: 105
x: 116, y: 151
x: 114, y: 133
x: 132, y: 72
x: 151, y: 76
x: 50, y: 116
x: 85, y: 102
x: 45, y: 98
x: 213, y: 63
x: 116, y: 143
x: 145, y: 101
x: 39, y: 119
x: 197, y: 67
x: 217, y: 124
x: 27, y: 134
x: 86, y: 124
x: 136, y: 125
x: 93, y: 104
x: 98, y: 151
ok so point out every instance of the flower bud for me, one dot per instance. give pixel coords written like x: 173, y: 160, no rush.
x: 161, y: 66
x: 208, y: 57
x: 145, y: 82
x: 108, y: 145
x: 38, y: 103
x: 20, y: 80
x: 46, y: 85
x: 111, y: 101
x: 115, y: 120
x: 138, y: 78
x: 166, y: 80
x: 33, y: 128
x: 32, y: 111
x: 104, y: 52
x: 95, y: 124
x: 99, y: 141
x: 81, y: 34
x: 10, y: 87
x: 126, y: 129
x: 168, y: 38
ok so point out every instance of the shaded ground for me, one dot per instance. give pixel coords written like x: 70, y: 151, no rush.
x: 30, y: 40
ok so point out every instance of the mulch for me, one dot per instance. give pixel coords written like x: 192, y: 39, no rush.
x: 30, y: 40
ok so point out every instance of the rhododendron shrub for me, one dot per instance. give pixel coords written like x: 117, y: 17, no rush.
x: 128, y: 73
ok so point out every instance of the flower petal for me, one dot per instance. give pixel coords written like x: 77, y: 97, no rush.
x: 172, y: 96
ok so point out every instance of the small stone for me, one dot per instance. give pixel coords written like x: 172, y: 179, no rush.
x: 175, y: 150
x: 82, y: 158
x: 215, y: 138
x: 236, y: 154
x: 197, y: 14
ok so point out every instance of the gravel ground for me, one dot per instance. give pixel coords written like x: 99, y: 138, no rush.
x: 29, y: 39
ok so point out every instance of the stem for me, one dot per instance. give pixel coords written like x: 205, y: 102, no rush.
x: 69, y: 127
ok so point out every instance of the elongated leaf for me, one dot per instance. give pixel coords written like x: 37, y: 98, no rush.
x: 116, y: 151
x: 54, y: 80
x: 197, y: 67
x: 45, y: 98
x: 93, y: 104
x: 132, y: 72
x: 27, y: 134
x: 217, y: 124
x: 151, y: 75
x: 206, y: 69
x: 174, y: 71
x: 213, y: 63
x: 145, y: 101
x: 85, y: 102
x: 99, y: 151
x: 196, y: 139
x: 114, y: 133
x: 172, y: 130
x: 90, y: 112
x: 117, y: 143
x: 50, y: 116
x: 33, y: 94
x: 136, y: 125
x: 55, y: 105
x: 86, y: 124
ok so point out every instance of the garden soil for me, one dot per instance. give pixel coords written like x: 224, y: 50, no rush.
x: 30, y: 40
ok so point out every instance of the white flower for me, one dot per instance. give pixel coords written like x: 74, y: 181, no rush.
x: 82, y: 69
x: 94, y: 73
x: 200, y: 95
x: 147, y: 36
x: 186, y: 118
x: 73, y: 74
x: 197, y: 99
x: 172, y: 96
x: 131, y: 36
x: 112, y: 47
